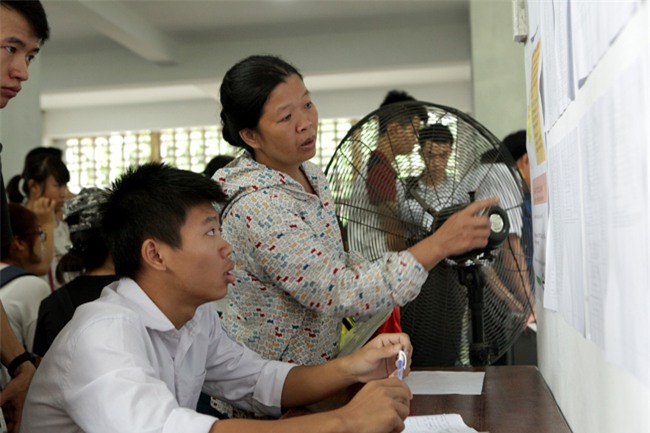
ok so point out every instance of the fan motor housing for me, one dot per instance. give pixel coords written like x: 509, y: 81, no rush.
x: 499, y: 229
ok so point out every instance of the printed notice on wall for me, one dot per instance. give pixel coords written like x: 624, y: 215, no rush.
x: 536, y: 112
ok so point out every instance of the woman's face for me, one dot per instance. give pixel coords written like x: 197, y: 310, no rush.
x: 31, y: 249
x: 38, y: 247
x: 50, y: 189
x: 286, y: 133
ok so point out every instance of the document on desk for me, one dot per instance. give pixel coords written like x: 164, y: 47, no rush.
x: 445, y: 382
x: 446, y: 423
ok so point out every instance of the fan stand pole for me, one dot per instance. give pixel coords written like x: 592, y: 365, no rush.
x: 472, y: 278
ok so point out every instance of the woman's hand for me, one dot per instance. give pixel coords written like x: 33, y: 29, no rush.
x: 44, y: 208
x: 466, y: 230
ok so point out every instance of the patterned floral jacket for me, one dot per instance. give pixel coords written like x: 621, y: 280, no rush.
x: 294, y: 280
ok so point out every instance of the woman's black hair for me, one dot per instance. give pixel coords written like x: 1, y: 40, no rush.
x: 38, y: 166
x: 24, y: 224
x: 244, y: 91
x: 88, y: 252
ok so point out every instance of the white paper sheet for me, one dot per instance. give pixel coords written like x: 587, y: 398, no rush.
x: 565, y: 231
x: 445, y: 423
x: 589, y: 46
x: 625, y: 184
x: 445, y: 382
x: 557, y: 67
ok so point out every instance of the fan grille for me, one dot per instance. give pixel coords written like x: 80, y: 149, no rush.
x: 394, y: 181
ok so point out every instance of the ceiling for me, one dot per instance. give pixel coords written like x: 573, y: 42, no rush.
x: 161, y: 37
x: 189, y: 20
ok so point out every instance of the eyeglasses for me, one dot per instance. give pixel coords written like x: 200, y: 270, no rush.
x: 41, y: 234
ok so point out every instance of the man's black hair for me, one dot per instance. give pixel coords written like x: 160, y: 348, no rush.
x: 216, y: 163
x: 516, y: 144
x: 151, y: 201
x: 395, y: 95
x: 33, y: 12
x: 438, y: 133
x: 401, y: 108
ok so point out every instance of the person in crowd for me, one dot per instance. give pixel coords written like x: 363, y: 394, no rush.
x: 21, y: 291
x: 55, y: 152
x: 423, y: 198
x: 42, y: 187
x: 432, y: 189
x: 216, y: 163
x: 294, y: 282
x: 373, y: 227
x: 23, y: 29
x: 88, y: 259
x: 516, y: 145
x: 512, y: 282
x: 426, y: 198
x: 137, y: 358
x: 211, y: 167
x: 45, y: 151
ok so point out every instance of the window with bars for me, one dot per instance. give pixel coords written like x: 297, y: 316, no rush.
x: 98, y: 160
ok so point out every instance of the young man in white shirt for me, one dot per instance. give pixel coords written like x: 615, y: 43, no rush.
x: 138, y: 357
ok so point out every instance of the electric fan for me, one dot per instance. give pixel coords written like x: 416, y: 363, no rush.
x: 398, y: 174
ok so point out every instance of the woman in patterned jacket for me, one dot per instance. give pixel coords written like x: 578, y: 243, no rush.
x: 294, y: 279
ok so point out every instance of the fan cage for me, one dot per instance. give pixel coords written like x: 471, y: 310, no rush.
x: 393, y: 180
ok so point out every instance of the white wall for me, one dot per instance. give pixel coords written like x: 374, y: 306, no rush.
x: 498, y: 76
x: 331, y: 104
x: 20, y: 124
x: 318, y: 57
x: 594, y: 395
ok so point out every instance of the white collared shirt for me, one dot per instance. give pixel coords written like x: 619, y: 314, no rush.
x: 121, y: 366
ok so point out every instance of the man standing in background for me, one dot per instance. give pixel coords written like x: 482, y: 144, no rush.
x: 23, y: 28
x: 516, y: 145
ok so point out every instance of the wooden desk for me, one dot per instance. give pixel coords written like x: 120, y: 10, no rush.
x: 515, y: 399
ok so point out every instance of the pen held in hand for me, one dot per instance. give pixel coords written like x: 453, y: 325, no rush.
x: 401, y: 364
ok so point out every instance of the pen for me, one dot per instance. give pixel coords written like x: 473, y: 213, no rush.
x: 401, y: 364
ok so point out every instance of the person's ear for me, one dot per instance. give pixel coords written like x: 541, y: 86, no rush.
x: 34, y: 188
x: 523, y: 163
x: 151, y: 254
x: 19, y: 244
x: 250, y: 137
